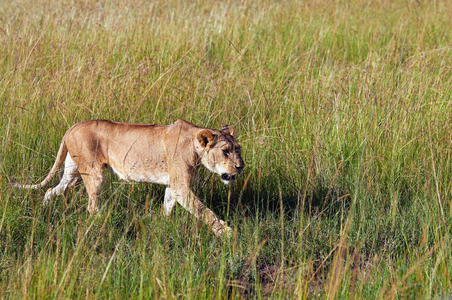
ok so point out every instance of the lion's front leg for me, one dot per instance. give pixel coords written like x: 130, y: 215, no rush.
x: 193, y: 204
x: 168, y: 202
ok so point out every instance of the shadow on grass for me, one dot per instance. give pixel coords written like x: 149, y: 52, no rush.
x: 272, y: 198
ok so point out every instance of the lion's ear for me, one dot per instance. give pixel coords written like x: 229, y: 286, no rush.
x: 227, y: 130
x: 206, y: 138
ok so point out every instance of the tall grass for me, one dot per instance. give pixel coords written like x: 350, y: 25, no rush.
x: 344, y: 112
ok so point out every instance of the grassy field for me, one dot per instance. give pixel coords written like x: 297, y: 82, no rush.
x: 344, y: 115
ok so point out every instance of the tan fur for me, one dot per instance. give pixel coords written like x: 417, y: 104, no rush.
x: 166, y: 155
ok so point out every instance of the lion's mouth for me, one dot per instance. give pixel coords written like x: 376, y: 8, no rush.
x: 227, y: 177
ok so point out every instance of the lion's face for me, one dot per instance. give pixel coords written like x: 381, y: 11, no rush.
x: 221, y: 153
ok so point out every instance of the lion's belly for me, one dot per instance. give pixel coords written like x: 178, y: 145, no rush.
x: 152, y: 176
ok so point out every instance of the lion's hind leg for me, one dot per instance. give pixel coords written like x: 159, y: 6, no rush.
x: 68, y: 180
x: 93, y: 177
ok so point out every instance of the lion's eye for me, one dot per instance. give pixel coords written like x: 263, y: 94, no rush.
x: 226, y: 152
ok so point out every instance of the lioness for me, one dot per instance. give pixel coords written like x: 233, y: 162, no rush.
x: 161, y: 154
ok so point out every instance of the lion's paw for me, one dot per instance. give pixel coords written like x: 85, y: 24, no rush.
x: 222, y: 229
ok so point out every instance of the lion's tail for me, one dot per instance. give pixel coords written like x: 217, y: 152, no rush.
x: 56, y: 165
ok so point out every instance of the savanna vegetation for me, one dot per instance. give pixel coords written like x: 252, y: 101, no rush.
x: 343, y: 110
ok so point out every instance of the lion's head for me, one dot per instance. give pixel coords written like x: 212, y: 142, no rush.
x: 220, y: 153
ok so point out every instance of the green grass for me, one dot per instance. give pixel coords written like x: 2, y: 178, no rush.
x: 344, y: 113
